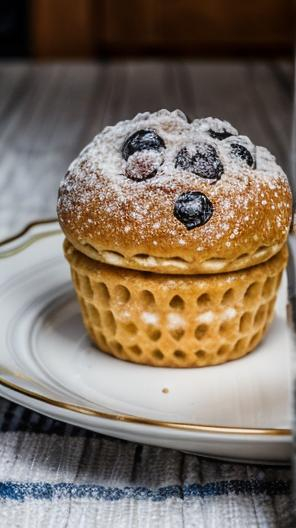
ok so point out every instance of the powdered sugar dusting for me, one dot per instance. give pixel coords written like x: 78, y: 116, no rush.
x: 101, y: 195
x: 144, y: 164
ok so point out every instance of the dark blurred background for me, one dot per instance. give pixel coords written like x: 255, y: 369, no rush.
x: 50, y: 29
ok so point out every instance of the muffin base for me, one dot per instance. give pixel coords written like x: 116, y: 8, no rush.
x: 175, y: 320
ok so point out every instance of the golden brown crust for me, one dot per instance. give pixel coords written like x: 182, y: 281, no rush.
x: 175, y: 321
x: 114, y: 219
x: 178, y: 265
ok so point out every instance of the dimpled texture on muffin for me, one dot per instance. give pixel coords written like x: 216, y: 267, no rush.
x: 159, y: 189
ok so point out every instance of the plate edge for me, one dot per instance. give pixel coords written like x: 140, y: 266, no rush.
x: 227, y: 430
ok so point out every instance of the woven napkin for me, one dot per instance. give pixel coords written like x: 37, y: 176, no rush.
x: 56, y: 475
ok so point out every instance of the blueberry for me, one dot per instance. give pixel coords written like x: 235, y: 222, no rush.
x: 243, y: 153
x: 220, y: 135
x: 193, y: 209
x: 204, y: 162
x: 142, y: 140
x: 143, y: 165
x: 183, y: 159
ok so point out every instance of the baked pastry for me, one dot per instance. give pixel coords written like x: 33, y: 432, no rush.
x: 176, y: 236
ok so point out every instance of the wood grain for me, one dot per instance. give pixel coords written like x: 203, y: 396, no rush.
x: 63, y: 28
x: 190, y: 27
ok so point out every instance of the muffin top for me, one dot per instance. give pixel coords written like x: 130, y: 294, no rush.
x: 158, y: 193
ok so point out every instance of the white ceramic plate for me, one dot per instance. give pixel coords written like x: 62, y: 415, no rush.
x: 239, y: 411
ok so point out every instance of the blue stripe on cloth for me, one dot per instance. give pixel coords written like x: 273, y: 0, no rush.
x: 10, y: 490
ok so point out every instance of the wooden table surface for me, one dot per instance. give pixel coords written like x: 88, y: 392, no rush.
x: 50, y: 111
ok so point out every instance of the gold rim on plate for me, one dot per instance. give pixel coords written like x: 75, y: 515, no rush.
x: 138, y: 420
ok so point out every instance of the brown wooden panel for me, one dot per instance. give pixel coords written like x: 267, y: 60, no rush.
x: 191, y: 26
x: 82, y: 28
x: 62, y: 28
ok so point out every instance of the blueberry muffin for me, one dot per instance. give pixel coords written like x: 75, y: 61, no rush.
x: 176, y: 237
